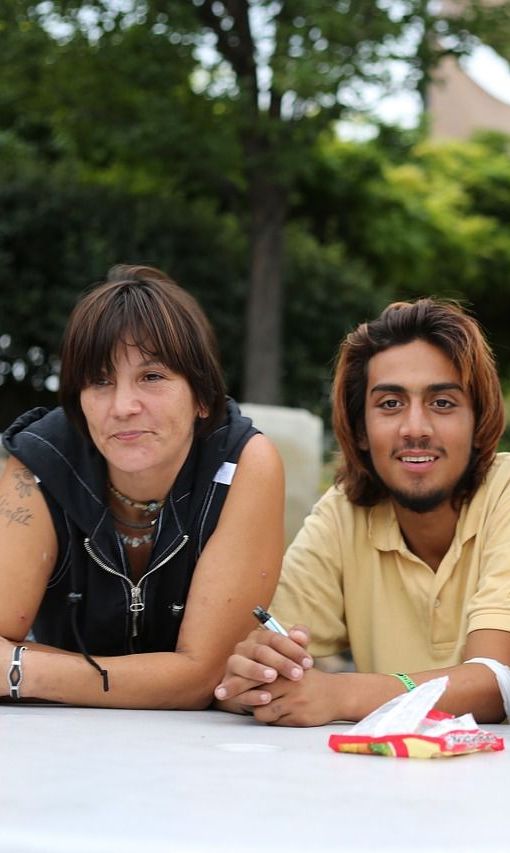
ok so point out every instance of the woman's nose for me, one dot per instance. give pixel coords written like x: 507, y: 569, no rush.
x: 125, y: 399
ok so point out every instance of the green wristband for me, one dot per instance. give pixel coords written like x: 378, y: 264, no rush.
x: 406, y: 681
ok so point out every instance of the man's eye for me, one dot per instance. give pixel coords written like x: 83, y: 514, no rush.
x: 390, y: 404
x: 441, y: 403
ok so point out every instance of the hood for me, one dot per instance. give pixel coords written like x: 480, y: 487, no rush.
x: 68, y: 465
x: 74, y: 472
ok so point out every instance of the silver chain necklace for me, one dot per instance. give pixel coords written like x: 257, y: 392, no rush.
x: 134, y: 526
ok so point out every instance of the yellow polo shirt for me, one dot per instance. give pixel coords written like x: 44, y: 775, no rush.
x: 350, y: 577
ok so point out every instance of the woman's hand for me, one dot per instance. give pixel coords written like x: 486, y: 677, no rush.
x: 261, y: 659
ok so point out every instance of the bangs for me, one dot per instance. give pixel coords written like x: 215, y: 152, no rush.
x: 147, y: 310
x: 127, y: 321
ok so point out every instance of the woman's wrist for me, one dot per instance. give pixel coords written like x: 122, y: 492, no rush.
x: 15, y: 672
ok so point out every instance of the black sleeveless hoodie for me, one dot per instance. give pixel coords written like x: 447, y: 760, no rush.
x: 91, y: 604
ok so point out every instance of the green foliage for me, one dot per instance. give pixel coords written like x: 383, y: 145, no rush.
x: 435, y: 223
x: 462, y: 196
x: 493, y: 26
x: 57, y: 237
x: 123, y: 139
x: 364, y: 229
x: 504, y: 444
x: 327, y: 293
x: 75, y: 231
x: 234, y: 85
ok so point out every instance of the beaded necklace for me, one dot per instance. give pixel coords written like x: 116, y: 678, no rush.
x: 146, y: 506
x: 136, y: 541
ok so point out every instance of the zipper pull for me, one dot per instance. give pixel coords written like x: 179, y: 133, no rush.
x: 136, y: 607
x: 137, y: 604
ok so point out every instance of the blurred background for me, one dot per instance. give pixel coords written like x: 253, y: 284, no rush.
x: 296, y: 164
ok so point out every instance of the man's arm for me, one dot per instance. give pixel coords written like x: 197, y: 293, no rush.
x: 271, y: 675
x: 259, y: 674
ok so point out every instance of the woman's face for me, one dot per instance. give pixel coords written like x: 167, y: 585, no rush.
x: 141, y: 418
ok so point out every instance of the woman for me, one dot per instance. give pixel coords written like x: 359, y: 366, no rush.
x: 140, y: 522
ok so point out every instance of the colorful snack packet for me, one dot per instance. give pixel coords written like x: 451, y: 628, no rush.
x: 407, y: 727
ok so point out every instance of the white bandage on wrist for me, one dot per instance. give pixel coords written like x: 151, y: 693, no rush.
x: 502, y: 674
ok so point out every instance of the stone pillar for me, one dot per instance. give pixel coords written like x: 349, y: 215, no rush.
x: 298, y: 436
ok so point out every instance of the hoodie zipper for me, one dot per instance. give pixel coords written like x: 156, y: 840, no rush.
x: 137, y: 605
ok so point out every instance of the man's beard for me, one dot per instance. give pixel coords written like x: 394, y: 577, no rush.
x: 431, y: 500
x: 420, y: 503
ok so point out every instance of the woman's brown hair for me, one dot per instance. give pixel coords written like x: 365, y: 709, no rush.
x: 140, y: 305
x: 445, y: 325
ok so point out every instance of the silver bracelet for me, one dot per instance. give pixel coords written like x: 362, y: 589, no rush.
x: 15, y: 674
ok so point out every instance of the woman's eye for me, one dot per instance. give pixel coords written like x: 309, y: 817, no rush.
x: 101, y: 381
x: 152, y: 377
x: 390, y: 404
x: 443, y: 404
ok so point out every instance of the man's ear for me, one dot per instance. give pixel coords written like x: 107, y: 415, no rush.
x: 477, y: 443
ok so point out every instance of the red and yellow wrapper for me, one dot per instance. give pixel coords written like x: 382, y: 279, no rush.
x: 454, y: 742
x: 409, y: 727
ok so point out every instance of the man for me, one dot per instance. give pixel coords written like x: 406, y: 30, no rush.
x: 406, y: 560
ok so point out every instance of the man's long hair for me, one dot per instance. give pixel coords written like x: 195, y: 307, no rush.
x: 445, y: 325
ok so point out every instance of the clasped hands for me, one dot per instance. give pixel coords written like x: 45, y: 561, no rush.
x: 273, y: 677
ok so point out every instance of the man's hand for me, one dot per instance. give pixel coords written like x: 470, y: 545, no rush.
x: 260, y: 660
x: 311, y: 701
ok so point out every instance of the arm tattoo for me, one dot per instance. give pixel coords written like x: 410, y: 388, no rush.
x: 19, y: 514
x: 24, y: 482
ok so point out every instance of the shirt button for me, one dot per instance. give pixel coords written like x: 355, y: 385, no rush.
x: 437, y: 603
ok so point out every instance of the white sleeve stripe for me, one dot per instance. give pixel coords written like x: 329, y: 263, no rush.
x: 225, y: 473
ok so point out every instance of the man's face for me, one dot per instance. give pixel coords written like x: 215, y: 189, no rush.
x: 419, y: 424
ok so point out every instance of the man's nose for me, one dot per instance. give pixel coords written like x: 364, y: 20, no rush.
x: 416, y: 422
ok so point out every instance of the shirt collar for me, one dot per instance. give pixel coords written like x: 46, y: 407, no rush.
x: 385, y: 534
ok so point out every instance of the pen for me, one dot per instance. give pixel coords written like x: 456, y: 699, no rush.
x: 268, y: 621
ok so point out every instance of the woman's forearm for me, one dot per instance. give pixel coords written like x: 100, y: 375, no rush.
x: 158, y: 680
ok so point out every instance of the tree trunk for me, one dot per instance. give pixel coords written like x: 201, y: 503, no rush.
x: 263, y: 351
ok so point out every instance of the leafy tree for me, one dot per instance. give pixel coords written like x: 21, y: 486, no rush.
x: 367, y: 223
x: 493, y: 25
x: 434, y: 222
x: 257, y: 81
x: 27, y: 53
x: 329, y: 292
x: 59, y: 235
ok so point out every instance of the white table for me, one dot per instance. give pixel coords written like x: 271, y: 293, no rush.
x: 76, y: 780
